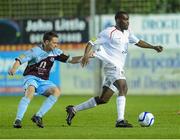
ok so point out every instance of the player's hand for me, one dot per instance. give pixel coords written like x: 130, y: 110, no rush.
x: 11, y: 71
x: 84, y: 61
x: 158, y: 48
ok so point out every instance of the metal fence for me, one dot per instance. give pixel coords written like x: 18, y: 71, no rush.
x: 20, y: 9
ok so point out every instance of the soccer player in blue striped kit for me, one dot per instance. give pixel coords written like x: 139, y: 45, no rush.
x: 36, y: 76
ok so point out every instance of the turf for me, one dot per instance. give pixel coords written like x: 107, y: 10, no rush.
x: 96, y: 123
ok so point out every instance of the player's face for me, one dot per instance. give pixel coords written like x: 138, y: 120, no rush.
x: 123, y: 22
x: 53, y: 43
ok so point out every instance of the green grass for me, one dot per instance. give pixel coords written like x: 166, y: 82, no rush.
x: 95, y: 123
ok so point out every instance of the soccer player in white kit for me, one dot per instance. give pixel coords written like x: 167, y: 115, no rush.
x: 111, y: 47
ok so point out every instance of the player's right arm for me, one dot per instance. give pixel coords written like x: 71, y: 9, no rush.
x: 23, y: 58
x: 102, y: 38
x: 14, y: 68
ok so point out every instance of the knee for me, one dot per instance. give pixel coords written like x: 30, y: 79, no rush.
x: 123, y: 91
x: 56, y: 92
x: 100, y: 100
x: 29, y: 93
x: 29, y: 96
x: 126, y: 90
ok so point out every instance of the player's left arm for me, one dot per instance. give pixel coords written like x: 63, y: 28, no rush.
x: 144, y: 44
x: 78, y: 59
x: 75, y: 59
x: 68, y: 59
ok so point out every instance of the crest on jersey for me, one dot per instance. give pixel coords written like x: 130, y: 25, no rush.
x: 52, y: 59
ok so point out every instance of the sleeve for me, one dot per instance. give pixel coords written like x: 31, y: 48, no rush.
x: 133, y: 39
x: 26, y: 56
x: 61, y: 56
x: 101, y: 39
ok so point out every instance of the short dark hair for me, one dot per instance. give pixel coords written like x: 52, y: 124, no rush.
x: 119, y: 13
x: 49, y: 35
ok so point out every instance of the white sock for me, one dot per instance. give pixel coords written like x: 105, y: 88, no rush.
x: 121, y: 103
x: 85, y: 105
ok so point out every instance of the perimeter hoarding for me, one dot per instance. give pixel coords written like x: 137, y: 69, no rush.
x: 78, y: 80
x: 28, y: 31
x: 149, y: 72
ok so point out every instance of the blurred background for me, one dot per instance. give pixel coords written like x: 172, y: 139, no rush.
x: 23, y: 23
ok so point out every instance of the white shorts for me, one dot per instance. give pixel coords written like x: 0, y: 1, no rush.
x: 111, y: 75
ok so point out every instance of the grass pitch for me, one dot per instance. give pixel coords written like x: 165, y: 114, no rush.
x: 96, y: 123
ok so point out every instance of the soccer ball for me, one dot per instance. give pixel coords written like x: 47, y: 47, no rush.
x: 146, y: 119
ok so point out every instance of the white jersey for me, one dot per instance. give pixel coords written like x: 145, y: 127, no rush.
x: 111, y: 46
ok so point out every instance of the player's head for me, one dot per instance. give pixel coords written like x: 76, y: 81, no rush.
x: 122, y: 20
x: 50, y: 40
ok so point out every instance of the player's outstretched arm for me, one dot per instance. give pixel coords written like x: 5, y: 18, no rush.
x: 75, y: 59
x: 87, y: 54
x: 78, y: 59
x: 144, y: 44
x: 15, y: 66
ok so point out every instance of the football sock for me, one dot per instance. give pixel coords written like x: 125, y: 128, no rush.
x: 23, y: 104
x: 47, y: 105
x: 85, y: 105
x: 121, y: 103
